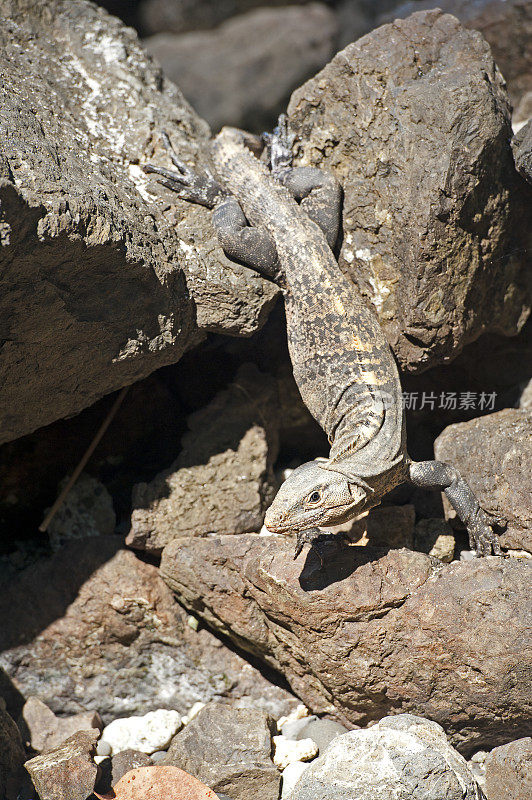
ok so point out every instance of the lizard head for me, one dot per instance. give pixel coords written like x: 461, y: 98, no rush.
x: 315, y: 495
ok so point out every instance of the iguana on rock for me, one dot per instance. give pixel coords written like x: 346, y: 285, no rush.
x: 283, y: 222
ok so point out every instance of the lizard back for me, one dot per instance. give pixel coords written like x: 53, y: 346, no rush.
x: 342, y: 363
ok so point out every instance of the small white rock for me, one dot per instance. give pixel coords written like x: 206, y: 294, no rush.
x: 289, y: 750
x: 291, y: 775
x: 193, y: 622
x: 153, y: 731
x: 196, y: 708
x: 299, y: 712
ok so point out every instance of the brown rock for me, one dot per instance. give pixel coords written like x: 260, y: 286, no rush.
x: 242, y: 73
x: 230, y: 749
x: 94, y: 627
x: 372, y: 633
x: 12, y: 754
x: 68, y: 772
x: 222, y: 480
x: 522, y: 150
x: 124, y: 762
x: 509, y: 771
x: 435, y: 537
x: 104, y: 281
x: 505, y: 24
x: 494, y: 454
x: 158, y: 783
x: 45, y: 731
x: 432, y: 204
x: 385, y: 526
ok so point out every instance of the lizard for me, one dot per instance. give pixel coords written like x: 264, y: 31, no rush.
x: 283, y: 222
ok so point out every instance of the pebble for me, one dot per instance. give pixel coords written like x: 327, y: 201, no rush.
x: 299, y: 712
x: 103, y: 748
x: 196, y: 708
x: 291, y: 775
x: 321, y: 731
x: 293, y: 728
x: 158, y: 757
x: 154, y: 731
x: 467, y: 555
x: 289, y: 750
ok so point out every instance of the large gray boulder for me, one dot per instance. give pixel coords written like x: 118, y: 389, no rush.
x: 402, y: 757
x: 372, y: 632
x: 103, y: 278
x: 413, y: 118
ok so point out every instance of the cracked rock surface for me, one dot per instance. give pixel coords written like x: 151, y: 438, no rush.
x: 372, y: 633
x: 104, y: 279
x: 413, y: 119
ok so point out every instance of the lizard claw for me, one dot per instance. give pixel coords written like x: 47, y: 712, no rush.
x: 482, y: 538
x: 185, y: 182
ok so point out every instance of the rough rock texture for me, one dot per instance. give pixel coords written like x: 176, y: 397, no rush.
x: 88, y: 248
x: 509, y: 771
x: 12, y: 754
x: 96, y: 628
x: 414, y: 121
x: 404, y: 757
x: 86, y: 511
x: 522, y: 150
x: 495, y: 456
x: 505, y: 24
x: 159, y: 783
x: 44, y: 731
x: 242, y: 73
x: 385, y: 526
x: 230, y: 750
x: 372, y: 633
x: 68, y: 772
x: 221, y: 482
x: 435, y: 537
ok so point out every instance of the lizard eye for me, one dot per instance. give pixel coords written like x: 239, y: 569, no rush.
x: 315, y: 497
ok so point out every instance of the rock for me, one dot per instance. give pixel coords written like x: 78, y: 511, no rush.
x: 290, y: 777
x: 509, y: 771
x: 159, y: 783
x: 229, y: 749
x: 523, y: 112
x: 290, y: 730
x: 95, y: 628
x: 373, y: 632
x: 432, y: 202
x: 103, y: 748
x: 179, y: 16
x: 242, y: 73
x: 108, y: 279
x: 386, y: 526
x: 87, y: 511
x: 505, y: 24
x: 126, y: 760
x: 522, y: 150
x: 288, y: 751
x: 493, y: 453
x: 402, y: 756
x: 45, y: 731
x: 67, y: 772
x: 435, y: 537
x: 12, y: 755
x: 222, y: 480
x: 322, y: 732
x: 477, y: 766
x: 154, y: 731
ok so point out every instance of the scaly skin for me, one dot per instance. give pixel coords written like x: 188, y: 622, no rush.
x: 342, y: 362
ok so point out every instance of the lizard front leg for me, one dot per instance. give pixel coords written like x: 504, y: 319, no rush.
x: 253, y: 246
x: 439, y: 475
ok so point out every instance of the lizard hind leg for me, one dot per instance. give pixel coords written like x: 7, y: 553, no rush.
x: 319, y: 194
x: 439, y: 475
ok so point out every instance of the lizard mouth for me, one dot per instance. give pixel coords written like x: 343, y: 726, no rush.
x: 280, y: 525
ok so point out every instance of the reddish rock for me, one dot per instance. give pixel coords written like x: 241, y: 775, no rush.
x: 509, y: 771
x: 373, y: 633
x: 158, y: 783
